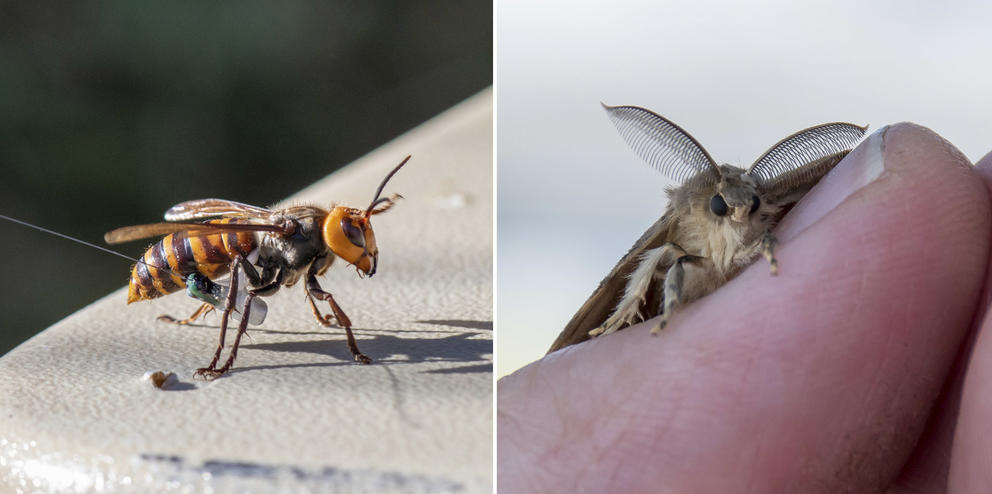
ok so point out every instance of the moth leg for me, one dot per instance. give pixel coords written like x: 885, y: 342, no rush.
x: 314, y: 291
x: 681, y: 289
x: 649, y: 272
x: 763, y: 245
x: 768, y: 243
x: 202, y: 311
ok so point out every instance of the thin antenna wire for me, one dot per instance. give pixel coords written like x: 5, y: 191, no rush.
x: 57, y: 234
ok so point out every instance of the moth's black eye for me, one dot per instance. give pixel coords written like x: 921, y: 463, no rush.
x: 755, y: 204
x: 718, y: 205
x: 353, y: 233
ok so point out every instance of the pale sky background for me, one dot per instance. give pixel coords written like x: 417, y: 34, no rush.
x: 572, y: 198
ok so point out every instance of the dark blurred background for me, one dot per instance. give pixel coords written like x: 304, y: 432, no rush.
x: 110, y: 112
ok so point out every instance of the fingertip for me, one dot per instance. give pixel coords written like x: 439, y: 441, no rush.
x: 895, y: 150
x: 984, y: 167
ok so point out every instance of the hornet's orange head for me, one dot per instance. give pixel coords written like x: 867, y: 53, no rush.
x: 348, y: 231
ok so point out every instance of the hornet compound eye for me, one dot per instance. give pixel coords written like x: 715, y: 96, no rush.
x: 353, y: 233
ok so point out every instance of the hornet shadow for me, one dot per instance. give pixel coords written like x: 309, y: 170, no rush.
x: 458, y: 346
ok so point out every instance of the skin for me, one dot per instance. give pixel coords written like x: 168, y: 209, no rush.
x: 862, y: 367
x: 970, y: 443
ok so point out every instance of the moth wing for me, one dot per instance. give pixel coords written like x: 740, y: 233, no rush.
x: 789, y: 187
x: 661, y: 143
x: 604, y: 299
x: 208, y: 208
x: 792, y: 166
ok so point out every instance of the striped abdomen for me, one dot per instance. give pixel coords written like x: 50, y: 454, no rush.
x: 210, y: 255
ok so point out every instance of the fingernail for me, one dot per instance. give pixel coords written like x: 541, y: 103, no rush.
x: 861, y: 167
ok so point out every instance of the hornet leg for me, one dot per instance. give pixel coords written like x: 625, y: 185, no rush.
x: 314, y: 291
x: 210, y: 371
x: 202, y: 311
x: 242, y: 329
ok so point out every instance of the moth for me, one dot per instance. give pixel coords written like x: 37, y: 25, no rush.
x: 718, y: 220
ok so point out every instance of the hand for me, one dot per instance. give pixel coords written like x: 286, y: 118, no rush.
x: 969, y: 404
x: 843, y: 373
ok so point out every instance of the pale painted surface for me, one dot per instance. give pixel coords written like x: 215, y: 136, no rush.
x: 296, y: 414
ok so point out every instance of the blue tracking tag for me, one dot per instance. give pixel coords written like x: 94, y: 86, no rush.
x: 203, y: 289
